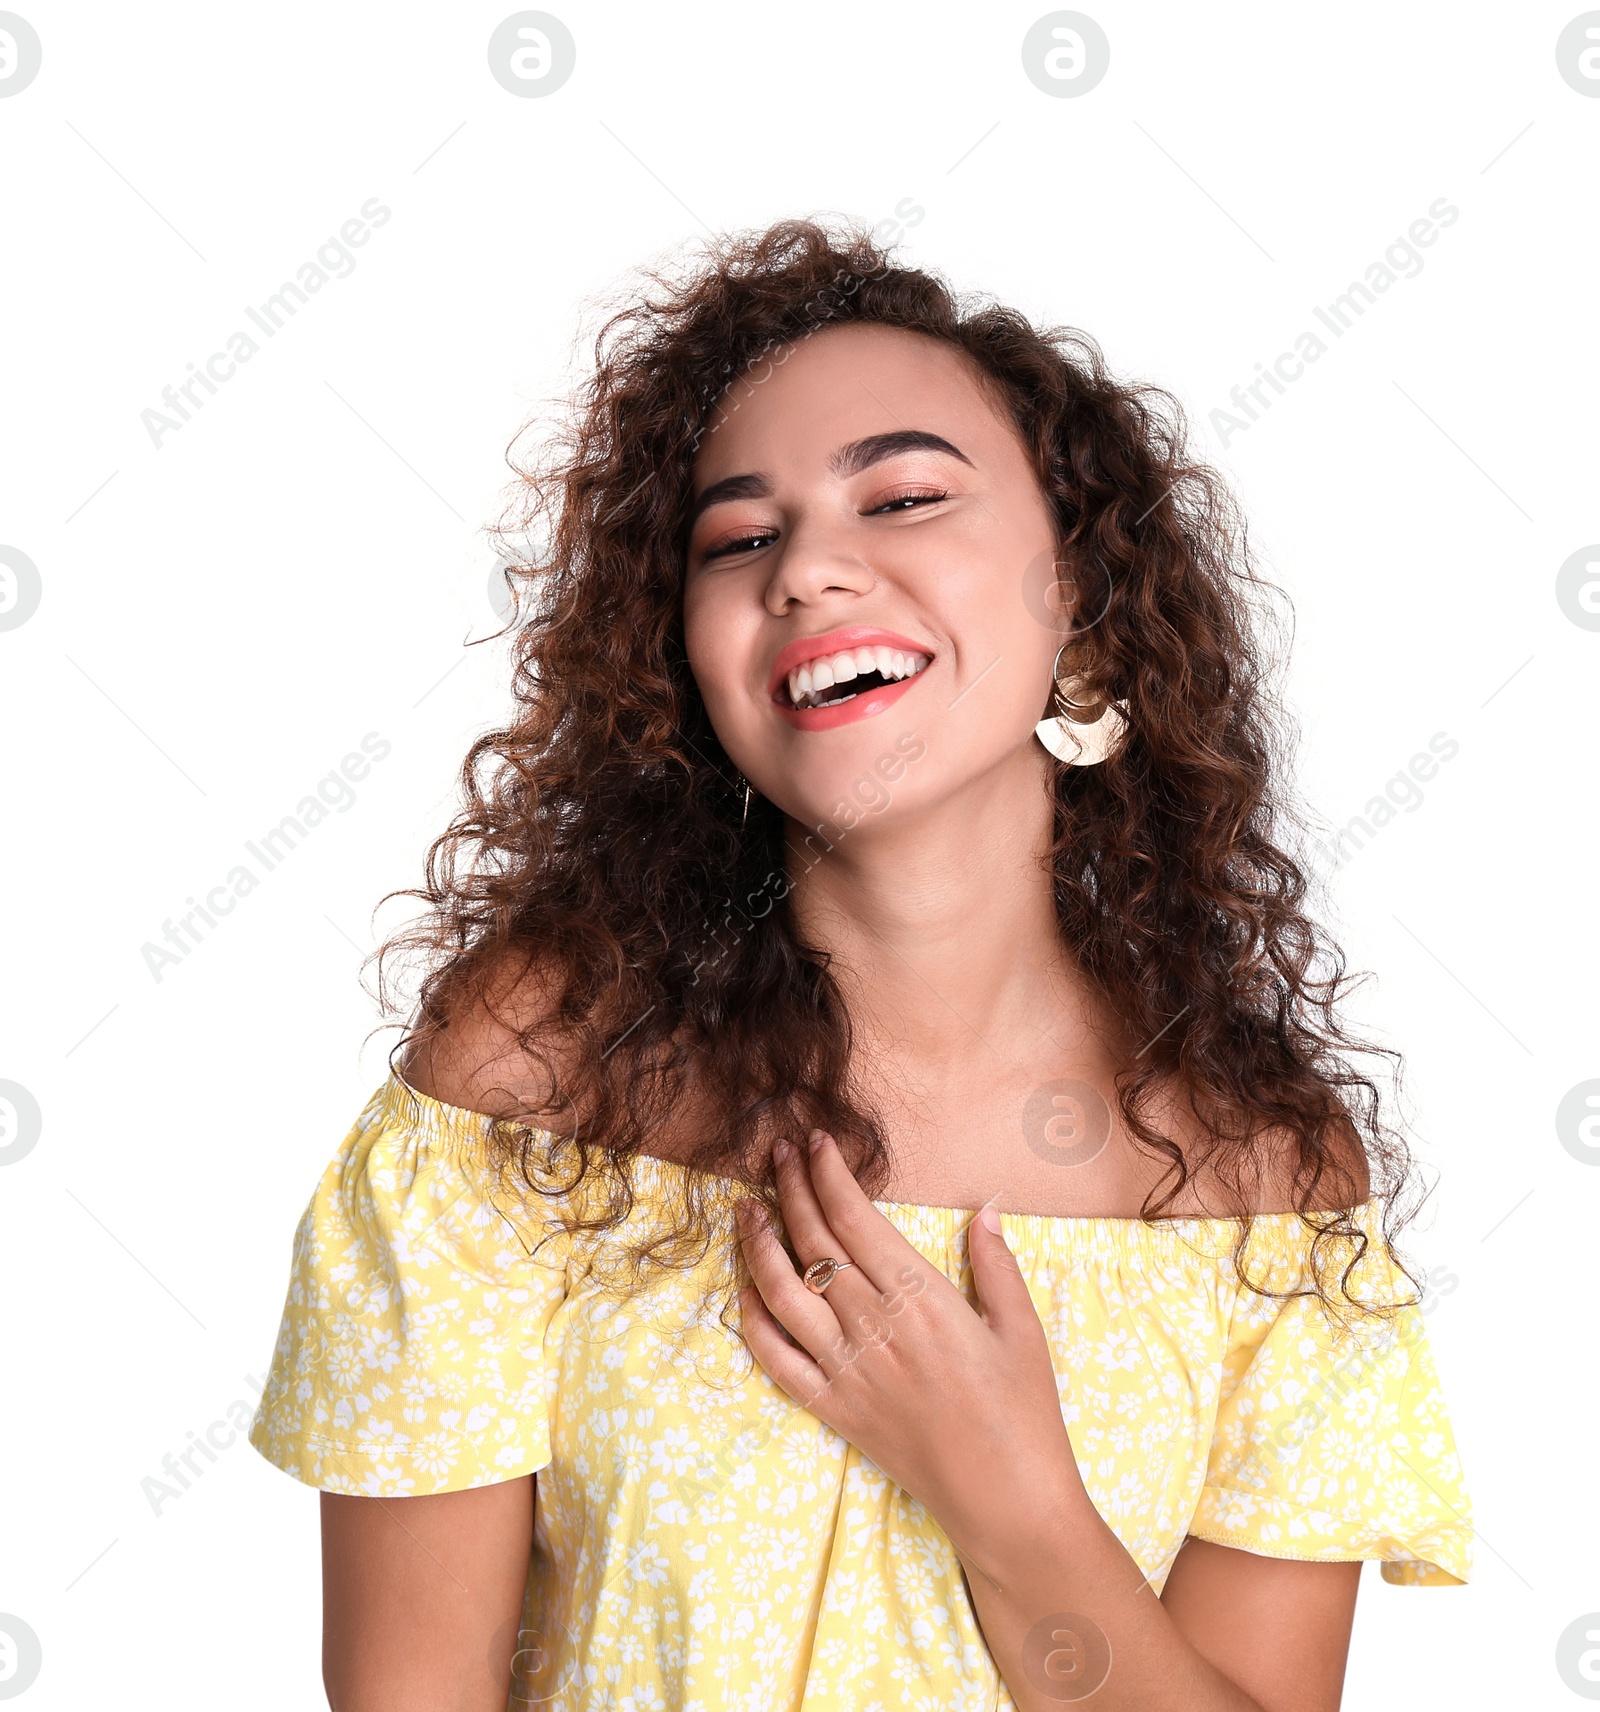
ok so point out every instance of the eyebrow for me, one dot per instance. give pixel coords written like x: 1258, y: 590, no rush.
x: 849, y: 460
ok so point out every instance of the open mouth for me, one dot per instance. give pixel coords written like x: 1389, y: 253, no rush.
x: 832, y: 679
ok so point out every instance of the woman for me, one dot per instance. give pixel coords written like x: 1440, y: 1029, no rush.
x: 885, y: 842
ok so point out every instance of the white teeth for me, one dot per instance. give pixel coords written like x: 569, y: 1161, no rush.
x: 810, y: 681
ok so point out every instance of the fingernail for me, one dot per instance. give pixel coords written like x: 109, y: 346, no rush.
x: 783, y: 1153
x: 991, y: 1219
x: 817, y: 1139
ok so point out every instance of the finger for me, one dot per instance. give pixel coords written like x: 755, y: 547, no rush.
x: 853, y: 1292
x: 1003, y: 1299
x: 889, y: 1270
x: 790, y: 1369
x: 805, y: 1315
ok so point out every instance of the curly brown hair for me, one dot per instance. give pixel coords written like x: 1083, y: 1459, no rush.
x: 601, y: 857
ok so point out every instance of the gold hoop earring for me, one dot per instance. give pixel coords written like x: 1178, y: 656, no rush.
x: 1074, y: 741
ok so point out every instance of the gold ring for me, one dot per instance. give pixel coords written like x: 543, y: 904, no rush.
x: 819, y: 1274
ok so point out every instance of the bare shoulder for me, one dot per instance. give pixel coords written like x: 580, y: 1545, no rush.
x: 1345, y: 1181
x: 503, y: 1048
x: 496, y: 1050
x: 1268, y: 1181
x: 1345, y: 1178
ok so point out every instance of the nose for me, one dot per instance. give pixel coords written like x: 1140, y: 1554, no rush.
x: 812, y: 564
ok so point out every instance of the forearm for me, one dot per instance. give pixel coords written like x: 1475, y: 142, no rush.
x: 1066, y: 1613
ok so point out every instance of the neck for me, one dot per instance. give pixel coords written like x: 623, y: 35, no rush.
x: 941, y: 923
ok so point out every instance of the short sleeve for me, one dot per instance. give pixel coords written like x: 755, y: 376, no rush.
x: 410, y: 1357
x: 1332, y: 1442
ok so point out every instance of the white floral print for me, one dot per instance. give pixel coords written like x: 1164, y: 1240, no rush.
x: 702, y: 1541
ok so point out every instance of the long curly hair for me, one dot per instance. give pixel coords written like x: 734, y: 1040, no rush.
x: 604, y: 855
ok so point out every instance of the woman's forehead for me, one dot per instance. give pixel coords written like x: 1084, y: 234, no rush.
x: 813, y: 397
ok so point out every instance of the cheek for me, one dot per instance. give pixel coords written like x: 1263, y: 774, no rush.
x: 718, y: 636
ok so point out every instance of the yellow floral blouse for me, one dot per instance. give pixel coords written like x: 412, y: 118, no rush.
x: 701, y: 1541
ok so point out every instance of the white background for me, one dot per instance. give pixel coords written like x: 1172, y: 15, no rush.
x: 225, y: 616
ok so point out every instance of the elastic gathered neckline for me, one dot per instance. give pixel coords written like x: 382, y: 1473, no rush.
x: 461, y: 1125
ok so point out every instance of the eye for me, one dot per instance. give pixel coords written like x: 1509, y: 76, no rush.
x: 911, y: 497
x: 748, y: 540
x: 738, y: 544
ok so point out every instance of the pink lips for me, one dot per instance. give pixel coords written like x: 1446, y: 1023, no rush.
x: 864, y: 706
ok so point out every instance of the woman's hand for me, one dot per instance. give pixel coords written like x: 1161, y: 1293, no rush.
x: 959, y: 1408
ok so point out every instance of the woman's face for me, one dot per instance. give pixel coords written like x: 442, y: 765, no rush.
x: 869, y: 527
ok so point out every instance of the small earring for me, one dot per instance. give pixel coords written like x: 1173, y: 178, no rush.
x: 1075, y: 743
x: 744, y: 818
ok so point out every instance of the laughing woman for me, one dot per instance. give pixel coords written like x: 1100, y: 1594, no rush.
x: 874, y: 1207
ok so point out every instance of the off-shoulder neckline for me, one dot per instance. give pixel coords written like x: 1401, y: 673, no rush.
x: 465, y: 1118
